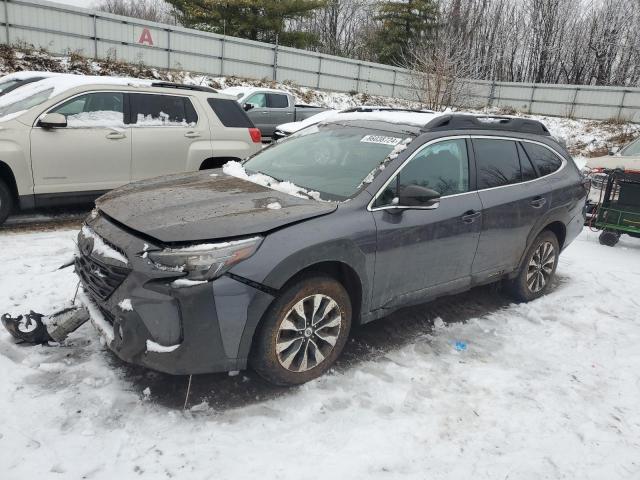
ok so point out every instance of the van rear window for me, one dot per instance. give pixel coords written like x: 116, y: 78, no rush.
x: 230, y: 113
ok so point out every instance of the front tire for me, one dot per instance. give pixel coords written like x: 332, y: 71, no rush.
x: 6, y: 201
x: 538, y: 270
x: 303, y: 332
x: 608, y: 238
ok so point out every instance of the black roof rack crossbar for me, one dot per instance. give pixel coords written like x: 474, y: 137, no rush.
x: 197, y: 88
x: 486, y: 122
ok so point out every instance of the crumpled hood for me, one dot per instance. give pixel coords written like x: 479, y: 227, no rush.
x: 205, y: 206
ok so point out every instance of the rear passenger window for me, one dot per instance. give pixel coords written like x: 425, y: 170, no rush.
x: 544, y: 159
x: 497, y: 162
x: 230, y: 113
x: 528, y: 172
x: 162, y: 110
x: 277, y: 101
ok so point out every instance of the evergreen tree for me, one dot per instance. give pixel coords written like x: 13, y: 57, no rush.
x: 403, y: 25
x: 260, y: 20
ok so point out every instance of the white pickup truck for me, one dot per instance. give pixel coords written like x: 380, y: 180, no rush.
x: 268, y: 108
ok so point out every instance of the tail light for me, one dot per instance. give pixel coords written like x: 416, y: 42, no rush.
x: 256, y: 136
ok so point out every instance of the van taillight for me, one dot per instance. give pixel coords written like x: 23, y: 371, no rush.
x: 256, y: 136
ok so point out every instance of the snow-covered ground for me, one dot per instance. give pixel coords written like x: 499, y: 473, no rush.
x: 470, y: 387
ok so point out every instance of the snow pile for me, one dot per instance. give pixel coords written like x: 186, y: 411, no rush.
x: 160, y: 121
x: 185, y: 283
x: 125, y: 305
x: 235, y: 169
x: 100, y: 247
x: 157, y: 348
x: 274, y: 206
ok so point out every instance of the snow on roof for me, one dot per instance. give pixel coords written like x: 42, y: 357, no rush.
x: 61, y: 83
x: 26, y: 74
x: 240, y: 92
x: 382, y: 115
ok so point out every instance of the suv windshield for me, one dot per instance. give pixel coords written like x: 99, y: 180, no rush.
x: 25, y: 103
x: 331, y: 159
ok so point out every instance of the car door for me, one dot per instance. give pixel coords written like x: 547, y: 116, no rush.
x: 513, y: 202
x: 259, y: 112
x: 429, y: 250
x: 92, y: 153
x: 279, y: 111
x: 167, y: 135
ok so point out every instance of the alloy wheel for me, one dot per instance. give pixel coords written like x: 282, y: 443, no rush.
x: 541, y: 266
x: 308, y: 333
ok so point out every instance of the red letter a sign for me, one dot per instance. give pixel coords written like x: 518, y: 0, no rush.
x: 145, y: 37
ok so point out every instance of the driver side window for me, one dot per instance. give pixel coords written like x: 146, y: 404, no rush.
x: 258, y: 100
x: 443, y: 167
x: 98, y: 109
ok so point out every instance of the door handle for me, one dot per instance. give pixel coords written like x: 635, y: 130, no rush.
x: 115, y: 135
x: 538, y: 202
x: 470, y: 216
x: 265, y: 113
x: 192, y: 134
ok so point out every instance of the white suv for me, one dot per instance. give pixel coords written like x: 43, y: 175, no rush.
x: 68, y: 139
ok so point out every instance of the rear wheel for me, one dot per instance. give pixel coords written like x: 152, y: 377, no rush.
x: 6, y: 201
x: 538, y: 270
x: 303, y: 332
x: 609, y: 238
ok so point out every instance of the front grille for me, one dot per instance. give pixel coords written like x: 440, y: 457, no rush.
x: 99, y: 278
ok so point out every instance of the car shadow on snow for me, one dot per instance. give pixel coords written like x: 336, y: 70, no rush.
x: 367, y: 343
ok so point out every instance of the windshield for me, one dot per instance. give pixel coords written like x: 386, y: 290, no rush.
x: 333, y: 160
x: 25, y: 103
x: 631, y: 150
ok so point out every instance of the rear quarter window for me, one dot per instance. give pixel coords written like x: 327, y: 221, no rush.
x: 230, y: 113
x: 545, y: 161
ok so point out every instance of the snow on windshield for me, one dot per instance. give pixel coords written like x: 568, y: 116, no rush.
x: 235, y: 169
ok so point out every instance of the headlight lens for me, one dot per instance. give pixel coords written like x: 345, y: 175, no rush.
x: 206, y: 261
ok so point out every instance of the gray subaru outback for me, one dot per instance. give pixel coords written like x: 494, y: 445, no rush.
x: 269, y: 263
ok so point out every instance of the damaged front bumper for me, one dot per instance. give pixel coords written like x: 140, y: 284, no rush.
x: 147, y: 319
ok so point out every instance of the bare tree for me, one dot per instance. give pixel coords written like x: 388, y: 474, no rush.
x: 152, y: 10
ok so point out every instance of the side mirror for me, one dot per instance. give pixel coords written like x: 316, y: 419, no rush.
x: 53, y: 120
x: 417, y: 196
x: 613, y: 150
x: 247, y: 106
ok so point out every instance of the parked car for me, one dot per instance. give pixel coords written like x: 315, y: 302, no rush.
x: 268, y: 108
x: 375, y: 112
x: 69, y: 139
x: 9, y: 83
x: 269, y: 263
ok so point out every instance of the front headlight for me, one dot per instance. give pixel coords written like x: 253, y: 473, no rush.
x: 205, y: 261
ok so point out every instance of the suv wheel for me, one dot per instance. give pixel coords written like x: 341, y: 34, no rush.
x: 609, y: 238
x: 537, y: 272
x: 303, y: 332
x: 6, y: 201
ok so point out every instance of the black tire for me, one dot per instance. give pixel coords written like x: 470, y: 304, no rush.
x: 304, y: 343
x: 7, y: 201
x: 608, y: 238
x: 537, y: 271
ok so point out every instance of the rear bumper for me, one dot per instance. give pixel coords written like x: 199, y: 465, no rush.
x: 148, y: 321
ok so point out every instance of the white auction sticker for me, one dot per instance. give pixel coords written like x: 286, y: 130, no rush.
x: 381, y: 139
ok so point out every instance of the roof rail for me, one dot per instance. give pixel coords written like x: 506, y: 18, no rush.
x: 486, y: 122
x: 367, y: 109
x: 182, y: 86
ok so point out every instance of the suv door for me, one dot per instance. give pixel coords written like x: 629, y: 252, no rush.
x: 167, y: 135
x: 513, y: 202
x: 92, y: 153
x: 427, y: 250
